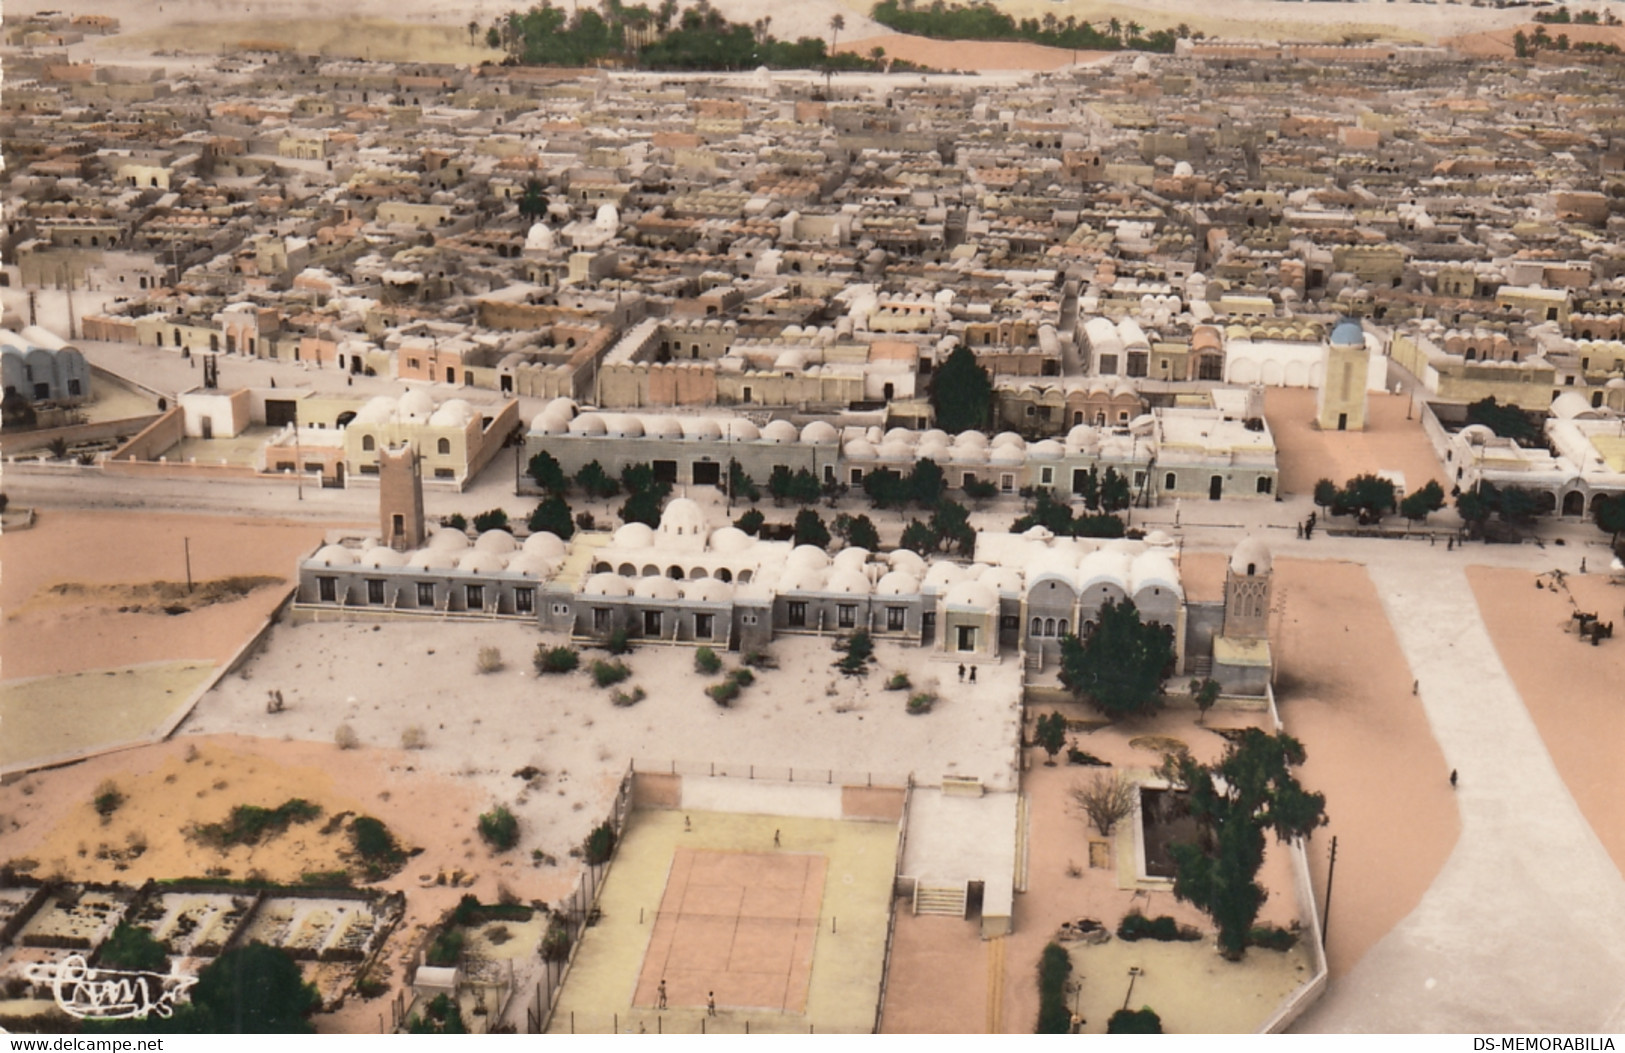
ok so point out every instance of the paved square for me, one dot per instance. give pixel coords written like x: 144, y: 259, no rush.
x: 740, y: 924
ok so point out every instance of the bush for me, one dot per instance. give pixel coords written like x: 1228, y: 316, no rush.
x: 499, y: 828
x: 134, y: 947
x: 751, y: 522
x: 725, y: 693
x: 555, y: 659
x: 742, y: 677
x: 376, y: 846
x: 447, y: 947
x: 759, y: 660
x: 619, y: 642
x: 1131, y: 1022
x: 456, y: 521
x: 600, y: 845
x: 1054, y: 966
x: 606, y: 673
x: 898, y: 682
x: 1139, y: 927
x: 107, y: 800
x: 556, y: 944
x: 491, y: 519
x: 706, y: 661
x: 921, y: 702
x: 414, y: 737
x: 1272, y: 937
x: 489, y: 660
x: 345, y: 738
x: 858, y: 650
x: 248, y: 823
x: 622, y: 699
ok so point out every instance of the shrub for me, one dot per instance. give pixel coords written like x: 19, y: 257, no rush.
x: 107, y: 800
x: 760, y: 660
x: 556, y: 944
x: 606, y: 673
x: 1054, y: 966
x: 491, y: 519
x: 248, y: 823
x: 414, y: 737
x: 858, y: 650
x: 1138, y: 927
x: 345, y: 738
x: 134, y: 947
x: 622, y: 699
x: 724, y: 693
x: 1106, y: 800
x: 706, y: 661
x: 1132, y: 1022
x: 751, y: 522
x: 376, y: 846
x: 499, y: 828
x: 1272, y: 937
x: 921, y: 702
x: 489, y: 660
x: 447, y: 947
x: 555, y: 659
x: 619, y: 642
x: 456, y: 521
x: 600, y: 845
x: 898, y: 682
x: 742, y: 677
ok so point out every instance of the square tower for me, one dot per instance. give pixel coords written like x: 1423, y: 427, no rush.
x: 400, y: 498
x: 1342, y: 403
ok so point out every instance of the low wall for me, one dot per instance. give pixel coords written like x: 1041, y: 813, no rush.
x: 14, y: 442
x: 806, y: 793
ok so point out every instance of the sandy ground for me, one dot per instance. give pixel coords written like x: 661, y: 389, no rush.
x: 46, y: 634
x: 1498, y: 43
x: 61, y: 716
x: 951, y: 55
x: 1306, y: 454
x: 1571, y: 689
x: 938, y: 979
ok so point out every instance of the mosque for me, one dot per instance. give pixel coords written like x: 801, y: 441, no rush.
x: 687, y: 582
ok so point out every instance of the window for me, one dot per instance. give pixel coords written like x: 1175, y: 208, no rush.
x: 1007, y: 483
x: 600, y: 619
x: 474, y: 597
x: 73, y: 386
x: 705, y: 626
x: 845, y: 615
x: 365, y: 469
x: 375, y: 590
x: 368, y: 443
x: 651, y: 623
x: 425, y: 594
x: 1046, y: 476
x: 524, y: 600
x: 1137, y: 362
x: 1168, y: 481
x: 797, y: 614
x: 1263, y: 484
x: 327, y: 589
x: 896, y: 619
x: 1037, y: 628
x: 412, y: 363
x: 439, y: 473
x: 443, y: 447
x: 1009, y: 623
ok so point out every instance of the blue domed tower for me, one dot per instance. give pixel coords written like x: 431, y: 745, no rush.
x: 1342, y: 402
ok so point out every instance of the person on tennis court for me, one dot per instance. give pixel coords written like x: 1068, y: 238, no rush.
x: 662, y: 993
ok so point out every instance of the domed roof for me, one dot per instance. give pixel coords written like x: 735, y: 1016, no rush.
x: 701, y: 428
x: 942, y: 574
x: 802, y: 579
x: 1104, y: 567
x: 1348, y: 333
x: 379, y: 556
x: 663, y: 428
x: 588, y: 424
x: 1049, y: 564
x: 780, y: 431
x: 634, y: 535
x: 416, y: 404
x: 607, y: 585
x: 453, y: 413
x: 534, y: 565
x: 860, y: 450
x: 934, y: 435
x: 1007, y: 455
x: 730, y: 539
x: 334, y: 556
x: 378, y: 410
x: 564, y: 406
x: 851, y: 558
x: 683, y: 517
x: 499, y: 541
x: 1079, y: 438
x: 1046, y: 450
x: 1004, y: 579
x: 545, y: 544
x: 655, y: 587
x: 1009, y: 438
x: 623, y: 426
x: 1154, y: 570
x: 902, y: 435
x: 897, y: 583
x: 908, y: 561
x: 478, y: 561
x: 793, y: 360
x: 892, y: 450
x: 850, y: 582
x: 549, y: 423
x: 970, y: 438
x: 707, y: 590
x: 974, y: 594
x: 968, y: 455
x: 608, y: 218
x: 432, y: 559
x: 807, y: 556
x: 1251, y: 553
x: 540, y: 237
x: 1038, y: 532
x: 740, y: 430
x: 819, y: 433
x: 448, y: 540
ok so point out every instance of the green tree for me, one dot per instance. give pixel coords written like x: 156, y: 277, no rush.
x: 741, y: 486
x: 547, y: 473
x: 1520, y: 44
x: 133, y: 947
x: 440, y: 1017
x: 1054, y: 966
x: 640, y: 479
x: 553, y: 516
x: 1115, y: 494
x: 951, y: 524
x: 1089, y: 489
x: 643, y: 506
x: 1326, y: 493
x: 886, y: 488
x: 499, y: 829
x: 1120, y: 665
x: 805, y: 489
x: 918, y: 537
x: 491, y: 519
x: 1204, y: 693
x: 961, y: 392
x: 1370, y: 495
x: 981, y: 491
x: 751, y: 522
x: 1249, y: 792
x: 1474, y: 509
x: 253, y: 990
x: 1517, y: 505
x: 1507, y: 421
x: 533, y: 202
x: 1050, y: 734
x: 1143, y: 1021
x: 858, y: 532
x: 781, y: 483
x: 1610, y: 514
x: 596, y: 482
x: 1417, y: 505
x: 1048, y: 513
x: 810, y: 529
x: 926, y: 482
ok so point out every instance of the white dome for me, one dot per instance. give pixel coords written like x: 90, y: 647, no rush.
x: 607, y: 585
x: 536, y: 566
x: 1009, y: 438
x: 706, y: 590
x: 379, y: 556
x: 972, y: 594
x: 655, y: 587
x: 819, y: 433
x: 968, y: 455
x: 662, y: 428
x: 902, y: 435
x: 588, y: 424
x: 936, y: 450
x: 563, y: 406
x: 432, y: 559
x: 802, y: 579
x: 934, y: 435
x: 851, y: 558
x: 1007, y: 455
x: 970, y: 438
x: 634, y: 535
x: 700, y: 428
x: 1046, y: 450
x: 729, y: 540
x: 453, y: 413
x: 780, y: 431
x: 1251, y: 552
x: 793, y: 360
x: 540, y: 238
x: 335, y: 556
x: 499, y: 541
x: 448, y: 540
x: 807, y: 556
x: 608, y: 219
x: 740, y: 430
x: 892, y: 450
x: 416, y: 404
x: 1004, y: 579
x: 476, y: 561
x: 1082, y: 437
x: 942, y: 574
x: 897, y: 583
x: 1104, y: 567
x: 683, y: 517
x: 378, y: 410
x: 908, y: 561
x: 860, y: 450
x: 850, y: 582
x: 623, y: 426
x: 1154, y: 570
x: 549, y: 423
x: 545, y: 544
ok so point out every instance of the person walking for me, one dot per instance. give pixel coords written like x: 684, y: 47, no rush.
x: 661, y: 994
x: 775, y: 839
x: 1452, y: 778
x: 711, y: 1003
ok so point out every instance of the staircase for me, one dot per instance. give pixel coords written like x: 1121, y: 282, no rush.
x: 1202, y: 667
x: 939, y: 899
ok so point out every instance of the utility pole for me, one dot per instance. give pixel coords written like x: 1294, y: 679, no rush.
x: 1325, y: 915
x: 187, y: 543
x: 298, y: 456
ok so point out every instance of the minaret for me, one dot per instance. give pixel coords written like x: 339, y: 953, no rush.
x: 400, y: 498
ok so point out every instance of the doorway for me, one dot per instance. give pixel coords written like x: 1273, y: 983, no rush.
x: 1215, y: 488
x: 967, y: 637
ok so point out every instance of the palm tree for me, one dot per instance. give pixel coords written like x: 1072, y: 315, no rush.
x: 1115, y: 28
x: 473, y: 32
x: 1134, y: 30
x: 837, y: 22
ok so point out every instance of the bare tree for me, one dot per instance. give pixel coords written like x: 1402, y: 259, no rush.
x: 1106, y: 799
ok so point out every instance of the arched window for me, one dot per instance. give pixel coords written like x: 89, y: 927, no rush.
x: 1038, y: 627
x: 1168, y: 481
x: 1061, y: 626
x: 368, y: 443
x: 443, y: 446
x: 1049, y: 626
